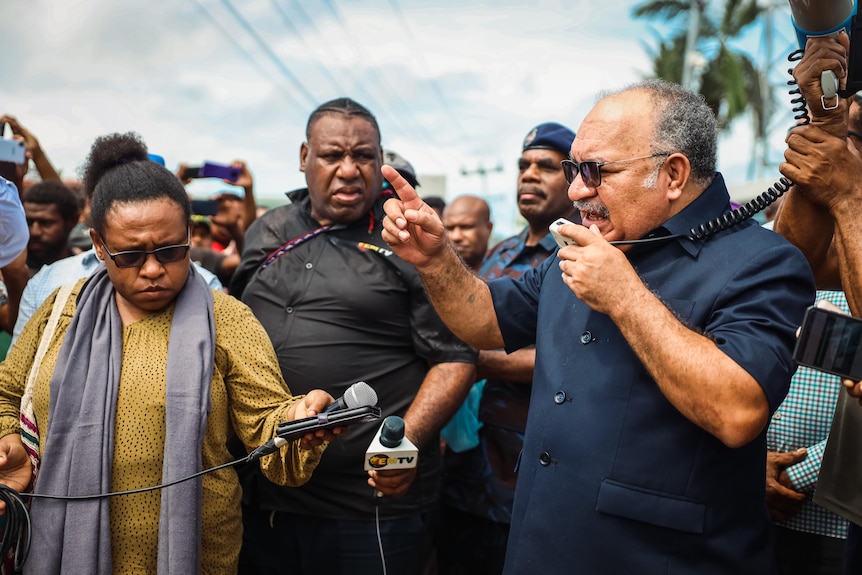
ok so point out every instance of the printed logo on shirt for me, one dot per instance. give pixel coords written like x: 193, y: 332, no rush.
x: 382, y: 251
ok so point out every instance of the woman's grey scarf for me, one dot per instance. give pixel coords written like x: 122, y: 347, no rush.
x: 75, y: 536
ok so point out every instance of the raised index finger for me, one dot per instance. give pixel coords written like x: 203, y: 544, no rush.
x: 405, y: 191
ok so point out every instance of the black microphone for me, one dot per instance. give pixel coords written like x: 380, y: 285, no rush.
x: 359, y: 394
x: 270, y: 446
x: 357, y: 405
x: 390, y: 449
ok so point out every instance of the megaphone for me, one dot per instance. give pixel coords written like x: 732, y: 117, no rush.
x: 813, y: 18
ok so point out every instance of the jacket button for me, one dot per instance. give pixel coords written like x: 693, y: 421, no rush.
x: 545, y: 458
x: 586, y: 337
x: 559, y: 397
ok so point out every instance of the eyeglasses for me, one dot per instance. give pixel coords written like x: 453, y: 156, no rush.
x: 854, y: 134
x: 591, y: 172
x: 136, y: 258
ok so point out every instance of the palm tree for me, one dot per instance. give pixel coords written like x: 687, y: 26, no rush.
x: 727, y: 78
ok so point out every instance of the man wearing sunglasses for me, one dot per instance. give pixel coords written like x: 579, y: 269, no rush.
x: 659, y: 357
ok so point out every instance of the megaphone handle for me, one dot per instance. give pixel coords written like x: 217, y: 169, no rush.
x: 829, y: 85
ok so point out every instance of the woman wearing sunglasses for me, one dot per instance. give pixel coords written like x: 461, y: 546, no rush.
x: 147, y: 376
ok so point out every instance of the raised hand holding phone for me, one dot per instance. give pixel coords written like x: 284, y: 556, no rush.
x: 213, y: 170
x: 830, y: 341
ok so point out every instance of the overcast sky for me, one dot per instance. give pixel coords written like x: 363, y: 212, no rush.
x: 455, y: 84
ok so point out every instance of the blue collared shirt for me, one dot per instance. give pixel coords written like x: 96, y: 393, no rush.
x: 14, y: 233
x: 512, y: 257
x: 613, y: 478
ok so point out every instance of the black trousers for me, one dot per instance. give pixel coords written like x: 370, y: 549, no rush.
x: 279, y: 543
x: 470, y: 545
x: 801, y: 553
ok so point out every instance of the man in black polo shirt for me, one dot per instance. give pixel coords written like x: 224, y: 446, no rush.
x: 340, y: 307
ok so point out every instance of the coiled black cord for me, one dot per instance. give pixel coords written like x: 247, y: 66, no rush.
x: 800, y: 106
x: 760, y: 203
x: 741, y: 213
x: 16, y: 528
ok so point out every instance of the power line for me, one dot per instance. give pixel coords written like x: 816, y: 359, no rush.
x: 310, y: 98
x: 435, y: 86
x: 245, y: 53
x: 365, y: 96
x: 285, y: 17
x: 423, y: 133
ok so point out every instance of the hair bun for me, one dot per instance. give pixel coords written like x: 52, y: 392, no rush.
x: 110, y: 151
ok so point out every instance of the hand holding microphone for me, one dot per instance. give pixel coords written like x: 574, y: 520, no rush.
x: 357, y: 395
x: 357, y: 405
x: 391, y: 453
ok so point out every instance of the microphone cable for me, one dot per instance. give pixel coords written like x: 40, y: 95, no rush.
x: 16, y: 521
x: 379, y: 537
x: 16, y: 528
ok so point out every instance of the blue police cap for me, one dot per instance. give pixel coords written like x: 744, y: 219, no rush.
x: 550, y: 136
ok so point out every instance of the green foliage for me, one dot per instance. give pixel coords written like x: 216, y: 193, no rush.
x: 729, y: 81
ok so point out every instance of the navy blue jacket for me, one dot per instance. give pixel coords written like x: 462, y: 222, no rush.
x: 612, y: 478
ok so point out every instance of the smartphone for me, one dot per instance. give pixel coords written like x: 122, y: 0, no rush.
x: 831, y: 342
x: 213, y: 170
x: 11, y: 151
x: 562, y: 240
x: 342, y: 417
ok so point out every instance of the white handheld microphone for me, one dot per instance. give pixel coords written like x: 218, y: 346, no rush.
x: 359, y: 394
x: 390, y: 449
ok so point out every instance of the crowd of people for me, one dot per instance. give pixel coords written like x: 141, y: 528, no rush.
x: 625, y: 403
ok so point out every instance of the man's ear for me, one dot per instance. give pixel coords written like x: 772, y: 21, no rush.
x: 303, y: 156
x: 678, y: 169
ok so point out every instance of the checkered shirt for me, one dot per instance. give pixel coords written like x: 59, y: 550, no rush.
x: 803, y: 420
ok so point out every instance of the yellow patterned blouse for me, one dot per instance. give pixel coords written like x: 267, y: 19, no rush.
x: 249, y: 398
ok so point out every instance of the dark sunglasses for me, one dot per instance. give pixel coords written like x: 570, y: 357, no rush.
x: 136, y: 258
x: 591, y: 172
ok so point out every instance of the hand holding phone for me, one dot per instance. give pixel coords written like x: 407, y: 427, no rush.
x: 830, y: 341
x: 213, y: 170
x: 12, y: 151
x: 562, y: 240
